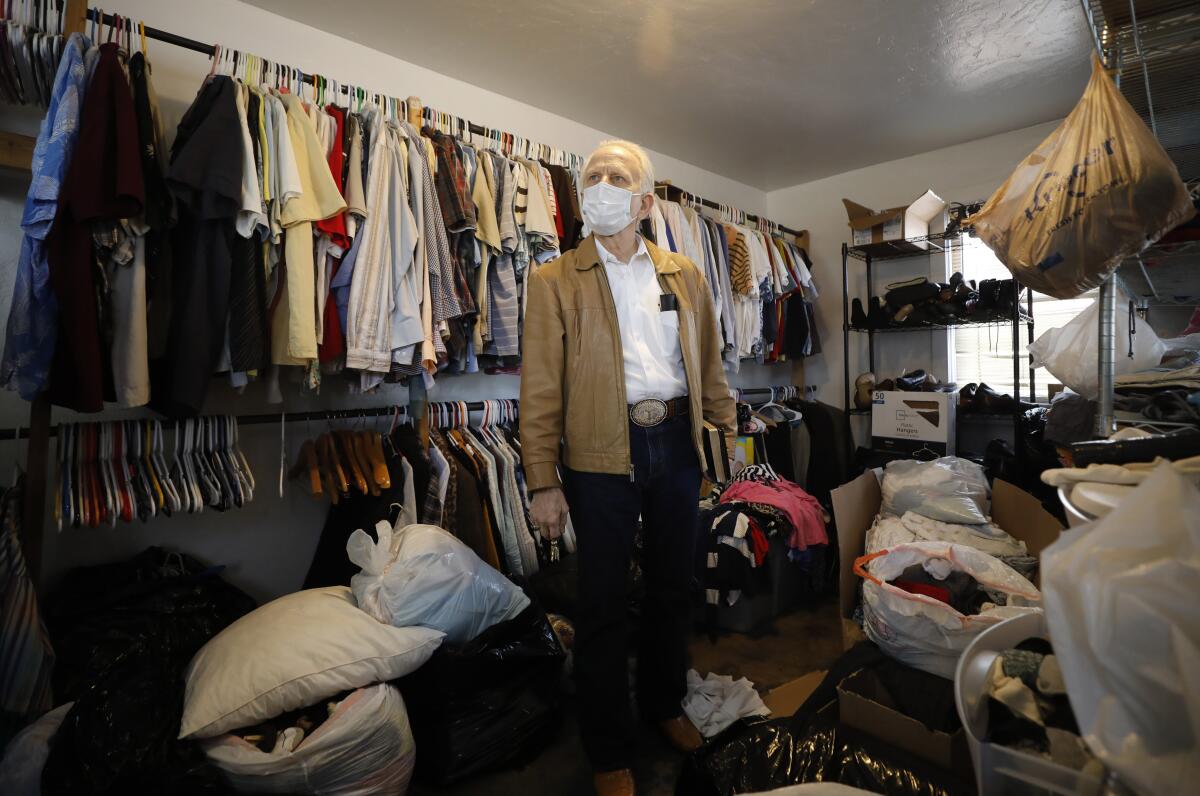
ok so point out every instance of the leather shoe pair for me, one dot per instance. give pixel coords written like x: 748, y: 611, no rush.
x: 614, y: 783
x: 982, y: 399
x: 681, y: 733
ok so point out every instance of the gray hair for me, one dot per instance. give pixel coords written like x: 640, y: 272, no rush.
x: 644, y: 165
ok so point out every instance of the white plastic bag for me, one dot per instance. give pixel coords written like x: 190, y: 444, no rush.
x: 365, y: 747
x: 925, y: 633
x: 1121, y: 597
x: 1069, y: 352
x: 424, y: 576
x: 947, y: 489
x: 1099, y: 188
x: 25, y: 756
x: 912, y: 527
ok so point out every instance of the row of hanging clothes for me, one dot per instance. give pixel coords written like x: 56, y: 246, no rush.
x: 280, y: 228
x: 31, y: 46
x: 761, y: 281
x: 121, y: 470
x: 469, y: 481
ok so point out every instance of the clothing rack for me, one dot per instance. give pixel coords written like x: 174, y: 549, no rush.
x: 668, y: 188
x: 14, y: 434
x: 407, y: 107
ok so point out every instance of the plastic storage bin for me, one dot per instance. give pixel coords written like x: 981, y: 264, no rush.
x: 1001, y: 769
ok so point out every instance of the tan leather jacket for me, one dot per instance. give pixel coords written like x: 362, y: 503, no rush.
x: 572, y: 367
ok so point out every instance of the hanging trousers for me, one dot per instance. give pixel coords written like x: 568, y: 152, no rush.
x: 664, y: 492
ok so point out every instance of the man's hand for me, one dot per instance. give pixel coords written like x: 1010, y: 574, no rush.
x: 548, y: 510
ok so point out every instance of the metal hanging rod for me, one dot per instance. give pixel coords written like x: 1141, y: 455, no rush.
x: 271, y: 417
x: 668, y: 187
x: 211, y: 50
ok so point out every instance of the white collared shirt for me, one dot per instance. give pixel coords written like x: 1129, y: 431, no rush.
x: 649, y: 337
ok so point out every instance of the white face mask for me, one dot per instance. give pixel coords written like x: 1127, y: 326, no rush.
x: 607, y: 208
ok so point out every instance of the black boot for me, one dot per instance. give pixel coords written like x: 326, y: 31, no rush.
x: 858, y: 318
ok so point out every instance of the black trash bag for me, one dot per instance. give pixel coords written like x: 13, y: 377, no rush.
x: 125, y: 634
x: 491, y: 703
x: 759, y: 755
x: 555, y: 586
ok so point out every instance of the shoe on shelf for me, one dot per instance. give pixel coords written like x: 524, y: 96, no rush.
x: 988, y: 401
x: 863, y: 386
x: 858, y: 318
x: 887, y: 385
x: 911, y: 382
x: 878, y: 316
x: 614, y: 783
x: 966, y: 398
x: 681, y: 733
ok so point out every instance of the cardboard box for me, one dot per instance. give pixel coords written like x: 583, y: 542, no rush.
x: 865, y: 705
x: 907, y: 422
x: 787, y: 698
x: 856, y: 503
x: 886, y: 230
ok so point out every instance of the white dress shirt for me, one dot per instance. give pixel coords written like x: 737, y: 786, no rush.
x: 649, y: 337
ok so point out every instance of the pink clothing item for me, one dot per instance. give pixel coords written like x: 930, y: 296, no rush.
x: 801, y: 508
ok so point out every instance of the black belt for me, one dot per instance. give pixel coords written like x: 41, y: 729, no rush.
x: 650, y: 412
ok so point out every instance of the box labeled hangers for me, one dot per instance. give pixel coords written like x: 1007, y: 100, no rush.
x: 908, y: 422
x: 890, y: 228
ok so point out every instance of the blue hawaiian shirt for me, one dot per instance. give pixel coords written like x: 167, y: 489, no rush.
x: 33, y: 317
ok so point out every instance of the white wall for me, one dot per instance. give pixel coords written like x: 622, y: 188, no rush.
x: 962, y: 173
x: 269, y: 544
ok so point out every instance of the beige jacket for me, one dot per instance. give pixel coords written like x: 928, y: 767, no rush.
x: 572, y: 367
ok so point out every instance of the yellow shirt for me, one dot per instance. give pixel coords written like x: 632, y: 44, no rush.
x: 294, y: 325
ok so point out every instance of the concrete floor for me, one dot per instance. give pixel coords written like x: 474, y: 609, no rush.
x: 795, y: 644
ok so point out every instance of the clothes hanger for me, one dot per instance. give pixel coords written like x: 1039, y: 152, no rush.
x: 145, y: 435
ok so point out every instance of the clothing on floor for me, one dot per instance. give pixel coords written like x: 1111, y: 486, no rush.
x: 716, y: 701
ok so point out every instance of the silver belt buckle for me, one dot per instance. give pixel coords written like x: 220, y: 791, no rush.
x: 648, y: 412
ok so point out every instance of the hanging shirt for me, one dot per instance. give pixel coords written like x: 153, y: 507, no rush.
x: 104, y: 185
x: 33, y: 317
x: 158, y: 212
x: 205, y: 176
x: 649, y: 337
x: 294, y: 329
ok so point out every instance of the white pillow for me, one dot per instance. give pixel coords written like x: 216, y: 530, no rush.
x: 294, y: 652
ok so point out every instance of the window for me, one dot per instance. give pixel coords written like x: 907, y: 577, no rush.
x: 984, y: 354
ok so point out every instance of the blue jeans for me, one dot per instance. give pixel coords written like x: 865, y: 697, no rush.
x: 605, y: 508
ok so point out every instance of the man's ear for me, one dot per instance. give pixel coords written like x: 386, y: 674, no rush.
x: 647, y: 202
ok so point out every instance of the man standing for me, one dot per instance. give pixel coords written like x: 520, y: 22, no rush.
x: 621, y: 364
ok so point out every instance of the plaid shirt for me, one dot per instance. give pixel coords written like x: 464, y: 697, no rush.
x: 453, y: 190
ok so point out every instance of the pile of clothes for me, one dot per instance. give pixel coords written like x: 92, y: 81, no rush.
x: 738, y: 521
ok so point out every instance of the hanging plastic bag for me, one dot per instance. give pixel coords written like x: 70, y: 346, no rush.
x: 1099, y: 189
x: 1121, y: 608
x: 924, y: 632
x: 425, y: 576
x: 948, y: 489
x: 1058, y: 350
x: 366, y: 746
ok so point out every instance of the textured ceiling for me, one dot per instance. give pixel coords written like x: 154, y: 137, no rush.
x: 768, y: 92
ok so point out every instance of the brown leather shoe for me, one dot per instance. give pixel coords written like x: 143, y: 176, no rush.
x: 614, y: 783
x: 681, y: 733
